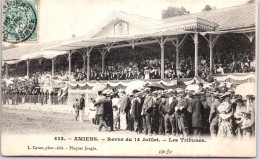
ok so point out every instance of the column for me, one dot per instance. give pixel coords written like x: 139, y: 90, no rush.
x: 103, y: 63
x: 162, y: 60
x: 177, y: 56
x: 6, y: 70
x: 196, y: 42
x: 52, y: 67
x: 28, y: 64
x: 88, y: 66
x: 210, y: 53
x: 84, y: 61
x: 69, y: 65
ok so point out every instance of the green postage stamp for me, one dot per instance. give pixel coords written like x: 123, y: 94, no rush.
x: 20, y: 21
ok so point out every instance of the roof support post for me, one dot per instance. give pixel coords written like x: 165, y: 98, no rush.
x: 212, y: 41
x: 178, y: 45
x: 196, y: 43
x: 88, y: 67
x: 84, y: 55
x: 250, y: 36
x: 88, y: 51
x: 103, y: 53
x: 162, y: 42
x: 69, y: 58
x: 6, y: 70
x: 40, y: 60
x: 53, y: 66
x: 28, y: 69
x: 162, y: 61
x: 103, y: 63
x: 210, y: 53
x: 177, y: 56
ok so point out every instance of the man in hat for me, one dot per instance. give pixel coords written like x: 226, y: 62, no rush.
x: 223, y: 88
x: 206, y: 102
x: 124, y: 107
x: 197, y: 111
x: 189, y: 96
x: 162, y: 113
x: 213, y: 116
x: 102, y: 103
x: 155, y: 114
x: 169, y: 119
x: 136, y: 110
x: 147, y: 111
x: 109, y: 112
x: 81, y: 107
x: 201, y: 89
x: 181, y: 114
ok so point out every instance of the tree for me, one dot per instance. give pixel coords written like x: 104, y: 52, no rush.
x: 251, y: 1
x: 208, y: 8
x: 173, y: 12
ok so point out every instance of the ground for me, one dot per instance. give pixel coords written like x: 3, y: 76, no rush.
x: 15, y: 121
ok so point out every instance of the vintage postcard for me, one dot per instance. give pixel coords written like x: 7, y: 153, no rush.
x: 134, y: 78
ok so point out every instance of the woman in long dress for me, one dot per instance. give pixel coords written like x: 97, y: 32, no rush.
x: 225, y: 120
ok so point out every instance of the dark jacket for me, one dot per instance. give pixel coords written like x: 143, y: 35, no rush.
x: 162, y: 111
x: 136, y: 108
x: 82, y: 103
x: 102, y: 106
x: 170, y: 107
x: 148, y: 105
x: 213, y: 116
x: 197, y: 111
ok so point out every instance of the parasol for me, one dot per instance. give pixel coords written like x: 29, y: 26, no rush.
x: 192, y: 87
x: 156, y: 86
x: 246, y: 89
x: 98, y: 87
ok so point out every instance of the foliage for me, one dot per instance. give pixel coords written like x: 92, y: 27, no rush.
x: 174, y: 11
x: 208, y: 8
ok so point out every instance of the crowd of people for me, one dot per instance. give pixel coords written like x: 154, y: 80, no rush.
x: 29, y: 91
x: 215, y: 111
x: 141, y: 64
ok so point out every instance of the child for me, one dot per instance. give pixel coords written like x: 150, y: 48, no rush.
x: 116, y: 117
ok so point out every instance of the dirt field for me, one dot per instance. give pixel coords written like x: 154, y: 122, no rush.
x: 35, y: 122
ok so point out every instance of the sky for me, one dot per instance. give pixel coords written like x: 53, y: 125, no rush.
x: 60, y: 19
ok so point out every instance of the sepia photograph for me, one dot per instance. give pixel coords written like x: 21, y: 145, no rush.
x: 121, y: 78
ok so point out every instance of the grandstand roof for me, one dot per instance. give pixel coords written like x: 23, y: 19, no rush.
x: 233, y: 19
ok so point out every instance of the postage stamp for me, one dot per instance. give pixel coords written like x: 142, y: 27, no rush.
x: 20, y: 21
